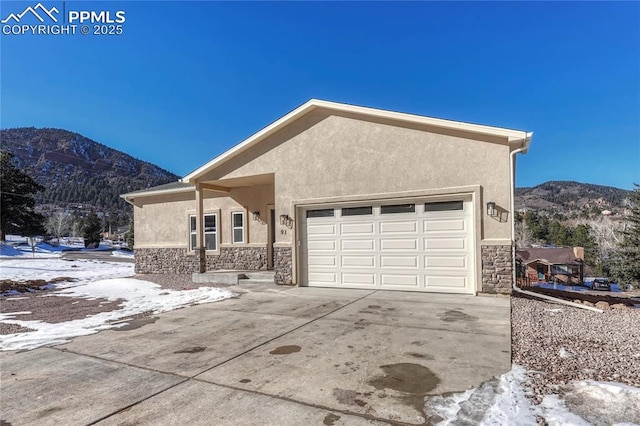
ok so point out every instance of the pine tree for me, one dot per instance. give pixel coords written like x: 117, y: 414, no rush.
x: 92, y: 230
x: 626, y: 265
x: 583, y: 237
x: 17, y: 190
x: 130, y: 237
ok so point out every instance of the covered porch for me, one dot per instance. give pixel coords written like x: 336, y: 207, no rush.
x: 233, y: 225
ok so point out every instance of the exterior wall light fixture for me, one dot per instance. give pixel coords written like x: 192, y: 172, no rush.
x: 256, y: 215
x: 285, y: 220
x: 491, y: 208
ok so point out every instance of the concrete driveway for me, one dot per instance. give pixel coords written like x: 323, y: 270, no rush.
x: 274, y: 355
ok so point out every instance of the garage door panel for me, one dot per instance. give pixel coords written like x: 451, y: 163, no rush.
x: 445, y: 281
x: 445, y: 243
x: 321, y: 245
x: 347, y: 229
x: 397, y: 280
x: 320, y: 229
x: 398, y: 227
x: 322, y: 261
x: 399, y: 244
x: 453, y: 262
x: 326, y: 278
x: 359, y: 279
x: 399, y: 261
x: 357, y: 245
x: 358, y: 261
x: 444, y: 225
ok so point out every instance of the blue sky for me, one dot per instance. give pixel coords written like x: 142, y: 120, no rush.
x: 188, y: 80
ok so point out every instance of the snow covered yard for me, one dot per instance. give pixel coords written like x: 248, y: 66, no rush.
x: 88, y: 296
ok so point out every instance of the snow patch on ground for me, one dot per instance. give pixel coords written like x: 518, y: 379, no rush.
x: 93, y: 280
x: 503, y: 401
x: 511, y: 405
x: 19, y: 269
x: 564, y: 353
x: 122, y: 253
x: 7, y: 250
x: 555, y: 412
x: 41, y: 250
x: 498, y: 401
x: 603, y: 402
x: 21, y: 249
x: 139, y: 296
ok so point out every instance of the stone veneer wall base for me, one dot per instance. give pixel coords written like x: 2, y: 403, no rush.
x: 282, y: 261
x: 497, y: 269
x: 181, y: 261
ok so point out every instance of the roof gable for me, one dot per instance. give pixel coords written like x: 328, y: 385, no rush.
x: 519, y: 139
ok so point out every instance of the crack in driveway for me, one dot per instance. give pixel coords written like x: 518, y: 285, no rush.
x: 195, y: 376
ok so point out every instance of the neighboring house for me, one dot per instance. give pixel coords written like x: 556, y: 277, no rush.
x: 116, y: 235
x: 335, y: 195
x: 553, y: 264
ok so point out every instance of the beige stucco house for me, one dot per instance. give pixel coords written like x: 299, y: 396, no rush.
x: 336, y: 195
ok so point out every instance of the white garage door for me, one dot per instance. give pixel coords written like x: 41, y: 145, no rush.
x: 419, y: 246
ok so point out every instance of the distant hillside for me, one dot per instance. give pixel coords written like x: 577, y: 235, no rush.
x: 78, y: 172
x: 571, y: 198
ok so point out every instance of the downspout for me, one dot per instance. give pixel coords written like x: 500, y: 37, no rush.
x: 513, y: 243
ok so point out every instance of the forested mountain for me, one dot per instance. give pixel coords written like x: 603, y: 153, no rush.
x: 79, y: 173
x: 571, y: 199
x: 566, y: 214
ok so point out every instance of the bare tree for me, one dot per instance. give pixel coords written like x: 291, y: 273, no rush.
x: 523, y: 235
x: 75, y: 228
x: 607, y: 233
x: 58, y: 224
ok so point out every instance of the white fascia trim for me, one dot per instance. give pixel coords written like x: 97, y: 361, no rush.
x: 512, y: 136
x: 430, y: 121
x: 134, y: 195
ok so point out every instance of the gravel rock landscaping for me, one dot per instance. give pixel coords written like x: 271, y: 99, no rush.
x: 561, y: 343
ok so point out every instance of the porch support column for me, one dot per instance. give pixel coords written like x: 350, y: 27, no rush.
x: 202, y: 260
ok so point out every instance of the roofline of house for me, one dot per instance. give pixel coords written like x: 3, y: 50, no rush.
x: 132, y: 195
x: 516, y: 138
x: 548, y: 262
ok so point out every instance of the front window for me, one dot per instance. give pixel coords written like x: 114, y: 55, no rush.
x: 210, y: 232
x: 237, y: 224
